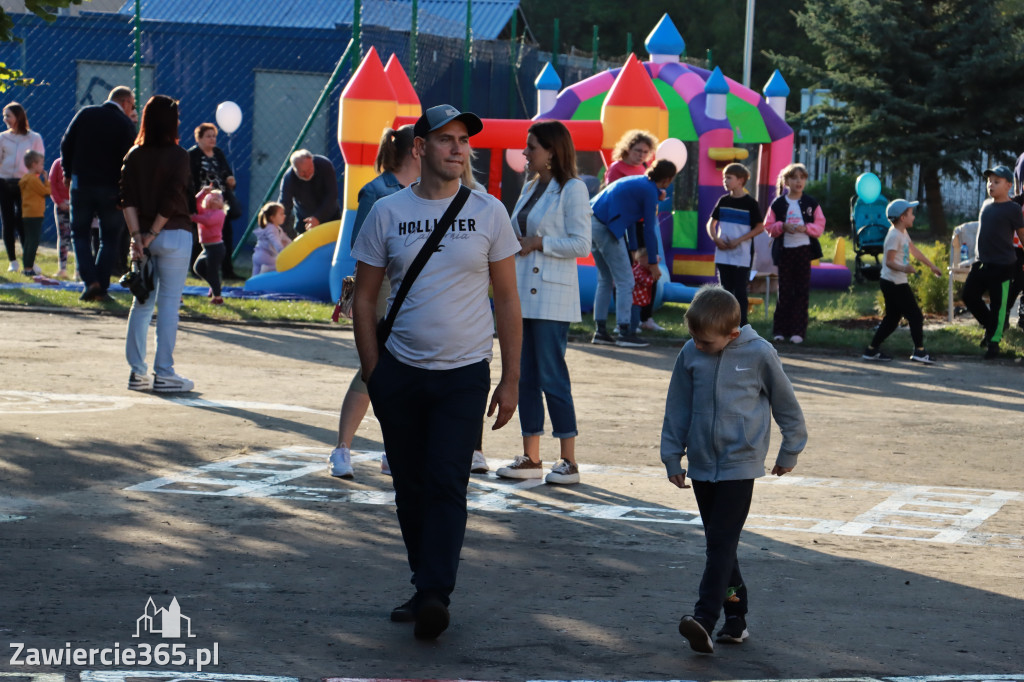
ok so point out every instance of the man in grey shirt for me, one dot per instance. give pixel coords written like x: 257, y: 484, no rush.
x: 429, y: 384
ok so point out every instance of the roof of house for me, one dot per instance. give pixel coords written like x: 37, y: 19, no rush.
x: 436, y: 17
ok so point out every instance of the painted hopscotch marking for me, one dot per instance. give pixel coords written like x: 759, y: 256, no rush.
x: 910, y: 513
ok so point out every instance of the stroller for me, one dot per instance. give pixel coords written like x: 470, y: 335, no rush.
x: 869, y: 227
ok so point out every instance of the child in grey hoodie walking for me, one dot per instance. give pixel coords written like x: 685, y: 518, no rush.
x: 726, y: 385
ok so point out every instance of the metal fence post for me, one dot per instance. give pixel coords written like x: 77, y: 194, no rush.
x: 467, y: 55
x: 137, y: 66
x: 413, y: 36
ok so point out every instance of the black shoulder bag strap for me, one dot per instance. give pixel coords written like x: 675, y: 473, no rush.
x: 428, y: 248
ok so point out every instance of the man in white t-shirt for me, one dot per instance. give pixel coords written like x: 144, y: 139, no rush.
x: 429, y: 384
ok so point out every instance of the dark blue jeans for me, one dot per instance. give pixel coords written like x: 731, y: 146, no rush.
x: 723, y: 511
x: 430, y: 420
x: 87, y: 203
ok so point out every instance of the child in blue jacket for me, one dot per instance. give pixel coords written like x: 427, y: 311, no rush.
x: 726, y: 386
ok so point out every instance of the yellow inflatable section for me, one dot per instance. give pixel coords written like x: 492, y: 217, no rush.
x: 306, y: 243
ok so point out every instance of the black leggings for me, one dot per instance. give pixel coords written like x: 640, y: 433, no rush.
x: 208, y: 264
x: 10, y: 213
x: 899, y: 303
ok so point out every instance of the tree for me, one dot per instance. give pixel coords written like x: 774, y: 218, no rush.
x: 42, y: 9
x: 717, y: 25
x: 929, y: 83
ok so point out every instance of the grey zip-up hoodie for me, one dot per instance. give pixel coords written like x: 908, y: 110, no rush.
x: 719, y: 408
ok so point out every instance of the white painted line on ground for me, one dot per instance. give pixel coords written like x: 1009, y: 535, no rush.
x: 37, y: 402
x: 4, y: 518
x: 34, y: 677
x: 910, y: 512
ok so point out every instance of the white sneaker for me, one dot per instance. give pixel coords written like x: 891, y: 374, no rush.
x: 385, y: 468
x: 174, y: 383
x: 650, y: 325
x: 340, y: 463
x: 479, y: 465
x: 564, y: 472
x: 138, y: 382
x: 796, y: 338
x: 13, y: 267
x: 522, y: 467
x: 778, y: 337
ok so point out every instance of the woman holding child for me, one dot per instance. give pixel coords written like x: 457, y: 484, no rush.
x: 156, y: 192
x: 552, y: 221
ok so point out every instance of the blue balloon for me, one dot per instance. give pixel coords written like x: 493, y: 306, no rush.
x: 868, y: 187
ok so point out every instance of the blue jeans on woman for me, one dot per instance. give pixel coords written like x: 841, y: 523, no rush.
x: 543, y: 370
x: 170, y: 252
x: 613, y: 267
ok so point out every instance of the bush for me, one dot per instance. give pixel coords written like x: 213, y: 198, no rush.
x: 930, y: 291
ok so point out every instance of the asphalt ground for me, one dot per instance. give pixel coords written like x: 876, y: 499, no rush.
x: 894, y: 548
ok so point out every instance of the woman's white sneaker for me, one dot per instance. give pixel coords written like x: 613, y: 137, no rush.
x: 522, y: 467
x: 563, y: 473
x: 339, y: 464
x: 173, y: 383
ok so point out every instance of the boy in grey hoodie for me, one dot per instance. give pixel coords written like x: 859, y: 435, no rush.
x: 726, y: 385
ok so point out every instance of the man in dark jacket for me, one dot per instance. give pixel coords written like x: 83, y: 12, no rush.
x: 92, y: 153
x: 310, y: 190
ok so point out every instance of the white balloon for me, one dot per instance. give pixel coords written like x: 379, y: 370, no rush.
x: 515, y: 160
x: 229, y: 117
x: 672, y: 150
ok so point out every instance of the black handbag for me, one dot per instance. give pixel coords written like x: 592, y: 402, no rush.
x: 385, y: 323
x: 816, y: 251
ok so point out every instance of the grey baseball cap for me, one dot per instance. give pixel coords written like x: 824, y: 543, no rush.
x: 443, y: 114
x: 898, y: 207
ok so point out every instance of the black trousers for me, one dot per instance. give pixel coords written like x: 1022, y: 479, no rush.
x: 431, y: 421
x: 1016, y: 287
x: 995, y: 280
x: 899, y: 303
x: 734, y: 279
x: 723, y: 511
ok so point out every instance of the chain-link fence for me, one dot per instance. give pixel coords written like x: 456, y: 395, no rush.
x: 241, y: 52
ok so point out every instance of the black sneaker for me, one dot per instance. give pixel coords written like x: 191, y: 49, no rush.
x: 876, y: 355
x: 603, y: 338
x: 923, y: 356
x: 992, y: 351
x: 734, y: 631
x: 404, y: 613
x: 697, y: 635
x: 628, y: 340
x: 431, y: 618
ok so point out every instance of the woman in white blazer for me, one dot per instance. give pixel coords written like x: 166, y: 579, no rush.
x: 552, y: 220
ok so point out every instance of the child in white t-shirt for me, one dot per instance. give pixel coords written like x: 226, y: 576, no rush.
x: 899, y: 297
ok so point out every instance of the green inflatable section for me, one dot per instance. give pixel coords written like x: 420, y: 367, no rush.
x: 747, y: 125
x: 680, y: 123
x: 684, y: 229
x: 590, y: 109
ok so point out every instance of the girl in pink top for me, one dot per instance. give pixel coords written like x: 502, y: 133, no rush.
x: 795, y: 221
x: 61, y: 198
x: 210, y: 220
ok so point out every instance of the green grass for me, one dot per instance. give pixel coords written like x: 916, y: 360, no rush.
x: 840, y: 321
x: 194, y: 307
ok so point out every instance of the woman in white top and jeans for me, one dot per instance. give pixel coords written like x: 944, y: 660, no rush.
x: 552, y: 218
x: 14, y: 142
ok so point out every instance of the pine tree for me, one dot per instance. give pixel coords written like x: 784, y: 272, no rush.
x: 929, y: 83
